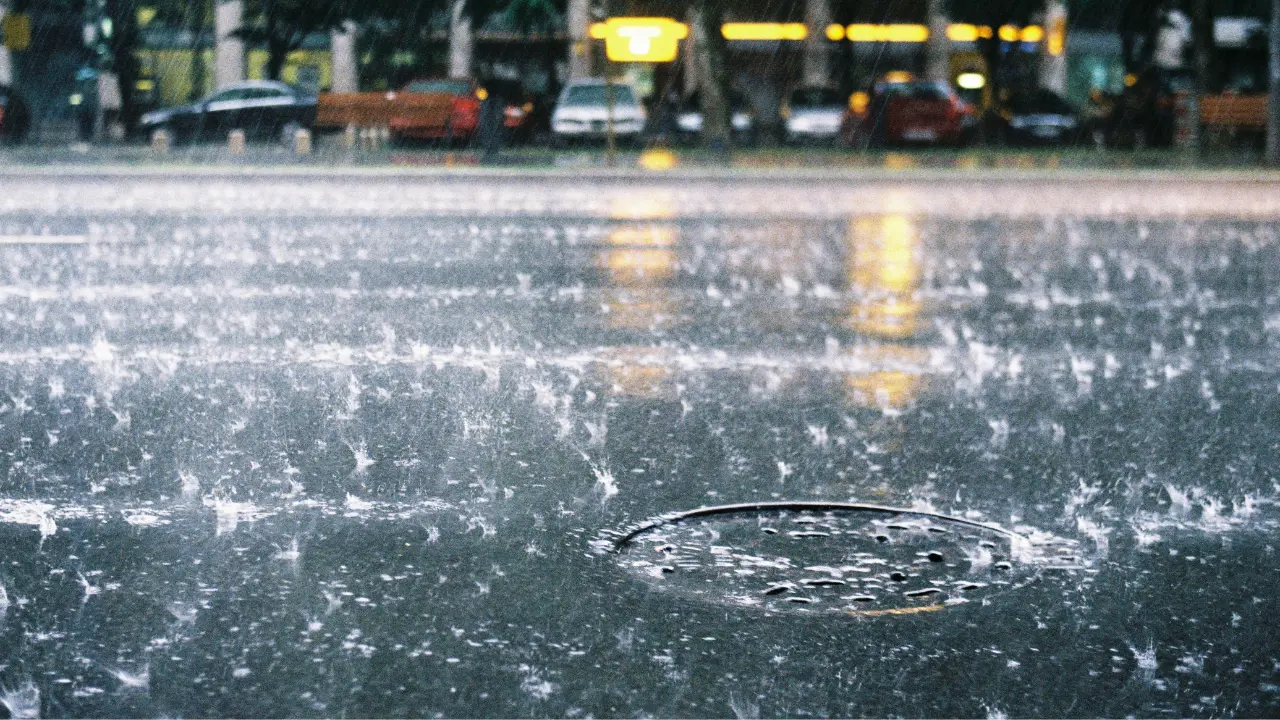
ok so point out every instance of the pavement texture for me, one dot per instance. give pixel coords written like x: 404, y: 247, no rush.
x: 316, y: 443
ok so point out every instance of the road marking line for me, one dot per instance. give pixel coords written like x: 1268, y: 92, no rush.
x: 44, y: 239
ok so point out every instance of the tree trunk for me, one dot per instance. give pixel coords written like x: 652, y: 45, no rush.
x: 196, y: 20
x: 1273, y: 120
x: 713, y: 85
x: 1202, y: 49
x: 123, y: 42
x: 549, y: 46
x: 938, y: 49
x: 277, y: 49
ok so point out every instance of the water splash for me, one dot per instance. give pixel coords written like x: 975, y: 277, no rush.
x: 22, y: 701
x: 140, y: 680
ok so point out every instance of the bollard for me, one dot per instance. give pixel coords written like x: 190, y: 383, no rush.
x: 384, y: 135
x: 235, y: 142
x: 302, y: 141
x: 160, y: 141
x: 349, y: 137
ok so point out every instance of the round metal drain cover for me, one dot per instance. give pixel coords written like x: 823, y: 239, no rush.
x: 830, y: 557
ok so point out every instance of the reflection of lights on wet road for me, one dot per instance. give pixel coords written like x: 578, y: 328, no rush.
x: 637, y: 371
x: 643, y: 204
x: 884, y: 272
x: 896, y: 382
x: 640, y: 263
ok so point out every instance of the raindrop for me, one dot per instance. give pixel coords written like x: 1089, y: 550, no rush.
x: 823, y: 582
x: 922, y: 593
x: 935, y: 557
x: 898, y: 576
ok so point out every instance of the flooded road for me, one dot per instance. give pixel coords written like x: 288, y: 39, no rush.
x: 416, y: 447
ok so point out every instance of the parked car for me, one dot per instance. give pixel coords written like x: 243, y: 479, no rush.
x: 742, y: 120
x: 263, y: 109
x: 915, y: 112
x: 454, y: 119
x: 812, y: 114
x: 1040, y: 117
x: 15, y: 117
x: 581, y: 112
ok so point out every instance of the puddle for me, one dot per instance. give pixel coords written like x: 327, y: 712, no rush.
x: 833, y: 557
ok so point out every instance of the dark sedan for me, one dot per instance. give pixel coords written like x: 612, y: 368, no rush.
x: 262, y: 109
x: 15, y: 118
x: 1040, y: 117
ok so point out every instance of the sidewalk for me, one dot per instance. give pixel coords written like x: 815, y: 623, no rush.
x: 331, y: 157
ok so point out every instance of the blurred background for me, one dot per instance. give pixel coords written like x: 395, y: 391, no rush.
x: 841, y: 73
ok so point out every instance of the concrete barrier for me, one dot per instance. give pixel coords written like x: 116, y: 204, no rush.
x: 160, y: 141
x: 350, y: 137
x: 235, y: 142
x: 302, y: 141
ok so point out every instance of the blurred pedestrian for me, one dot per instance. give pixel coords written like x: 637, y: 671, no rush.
x: 492, y: 121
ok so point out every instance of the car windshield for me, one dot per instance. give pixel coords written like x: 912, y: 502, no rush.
x: 592, y: 95
x: 816, y: 97
x: 449, y: 87
x: 1040, y: 103
x: 737, y: 102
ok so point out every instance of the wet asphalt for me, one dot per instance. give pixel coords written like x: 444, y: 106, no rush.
x: 406, y: 444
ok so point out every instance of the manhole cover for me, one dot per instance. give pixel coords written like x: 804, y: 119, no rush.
x: 831, y: 557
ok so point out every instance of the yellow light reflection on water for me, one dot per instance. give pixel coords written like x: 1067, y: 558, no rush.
x: 639, y: 261
x: 883, y: 272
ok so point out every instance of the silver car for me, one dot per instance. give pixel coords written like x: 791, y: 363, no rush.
x: 582, y: 112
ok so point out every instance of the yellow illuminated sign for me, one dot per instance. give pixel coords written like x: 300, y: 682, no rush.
x: 1008, y: 33
x: 887, y: 33
x: 962, y: 32
x: 835, y: 33
x: 971, y: 81
x: 764, y: 31
x: 17, y: 31
x: 640, y: 39
x: 1031, y: 34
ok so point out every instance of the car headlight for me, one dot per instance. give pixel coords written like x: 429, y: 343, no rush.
x: 1018, y: 122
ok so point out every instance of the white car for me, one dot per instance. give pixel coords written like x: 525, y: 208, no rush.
x: 813, y: 113
x: 581, y: 112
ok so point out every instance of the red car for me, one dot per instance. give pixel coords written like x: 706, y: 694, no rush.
x: 449, y: 110
x: 454, y: 120
x: 906, y: 113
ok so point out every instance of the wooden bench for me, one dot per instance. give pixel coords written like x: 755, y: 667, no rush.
x: 1234, y: 112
